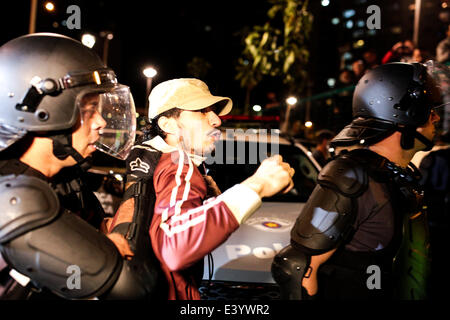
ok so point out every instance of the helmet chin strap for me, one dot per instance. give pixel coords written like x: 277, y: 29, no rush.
x: 409, y: 134
x: 62, y: 148
x: 427, y: 142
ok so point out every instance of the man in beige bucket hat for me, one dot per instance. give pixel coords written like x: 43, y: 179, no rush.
x: 186, y: 94
x: 195, y: 128
x: 184, y: 119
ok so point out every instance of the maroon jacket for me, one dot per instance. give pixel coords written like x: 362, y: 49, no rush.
x: 186, y: 226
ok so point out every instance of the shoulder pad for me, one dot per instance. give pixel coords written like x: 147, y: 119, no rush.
x: 142, y: 161
x: 345, y: 175
x: 25, y: 203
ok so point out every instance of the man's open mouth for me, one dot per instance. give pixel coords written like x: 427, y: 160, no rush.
x: 215, y: 134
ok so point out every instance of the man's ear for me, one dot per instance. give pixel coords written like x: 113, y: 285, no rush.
x: 168, y: 125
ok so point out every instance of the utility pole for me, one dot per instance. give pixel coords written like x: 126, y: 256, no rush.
x: 33, y: 10
x: 417, y: 7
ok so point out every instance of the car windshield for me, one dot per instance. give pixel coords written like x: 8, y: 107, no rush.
x: 229, y: 168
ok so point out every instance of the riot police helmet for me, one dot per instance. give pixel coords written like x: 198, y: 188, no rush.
x: 43, y: 79
x: 395, y: 97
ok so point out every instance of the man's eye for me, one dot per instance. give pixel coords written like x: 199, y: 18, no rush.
x: 206, y: 110
x: 88, y: 110
x: 89, y: 107
x: 93, y: 104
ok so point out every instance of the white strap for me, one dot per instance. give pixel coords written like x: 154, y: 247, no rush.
x: 20, y: 278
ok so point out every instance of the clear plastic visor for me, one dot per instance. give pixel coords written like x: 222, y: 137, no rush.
x: 9, y: 135
x: 109, y: 118
x: 440, y: 92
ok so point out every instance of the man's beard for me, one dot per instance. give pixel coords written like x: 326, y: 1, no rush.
x: 203, y: 150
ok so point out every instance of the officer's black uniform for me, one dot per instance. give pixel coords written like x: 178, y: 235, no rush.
x: 374, y: 237
x: 73, y: 195
x: 48, y: 80
x: 364, y: 206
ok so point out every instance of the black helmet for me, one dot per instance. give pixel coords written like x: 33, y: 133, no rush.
x: 43, y: 78
x: 392, y: 97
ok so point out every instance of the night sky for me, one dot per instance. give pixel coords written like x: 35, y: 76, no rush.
x: 165, y: 34
x: 169, y: 34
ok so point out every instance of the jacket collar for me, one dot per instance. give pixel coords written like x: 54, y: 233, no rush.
x: 159, y: 144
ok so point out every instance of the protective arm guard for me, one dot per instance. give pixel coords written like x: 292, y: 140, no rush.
x: 288, y: 269
x: 326, y: 219
x: 55, y: 248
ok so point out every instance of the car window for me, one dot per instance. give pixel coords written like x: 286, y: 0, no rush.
x: 233, y: 166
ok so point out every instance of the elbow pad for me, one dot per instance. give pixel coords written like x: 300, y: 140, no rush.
x: 288, y: 270
x: 54, y: 248
x: 328, y: 216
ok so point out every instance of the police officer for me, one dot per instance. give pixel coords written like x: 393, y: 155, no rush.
x: 59, y: 103
x: 364, y: 224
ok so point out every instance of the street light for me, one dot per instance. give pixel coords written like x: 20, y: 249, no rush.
x: 291, y: 101
x: 88, y: 40
x: 257, y: 108
x: 108, y: 35
x: 49, y: 6
x: 149, y: 73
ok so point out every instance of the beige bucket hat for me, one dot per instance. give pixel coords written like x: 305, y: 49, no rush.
x: 186, y: 94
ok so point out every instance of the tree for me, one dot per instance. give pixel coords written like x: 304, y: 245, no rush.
x: 198, y: 67
x: 278, y: 48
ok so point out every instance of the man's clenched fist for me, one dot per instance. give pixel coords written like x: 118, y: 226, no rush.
x: 273, y: 176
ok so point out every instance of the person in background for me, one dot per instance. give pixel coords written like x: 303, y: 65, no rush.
x: 370, y: 58
x: 358, y: 69
x: 435, y: 170
x: 321, y: 153
x: 400, y: 52
x: 443, y: 49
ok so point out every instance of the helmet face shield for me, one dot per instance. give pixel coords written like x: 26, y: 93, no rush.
x: 9, y: 135
x: 440, y: 92
x: 109, y: 114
